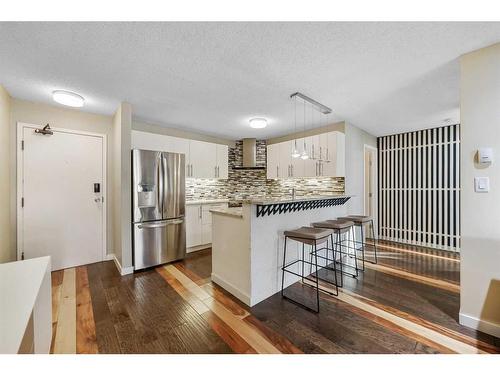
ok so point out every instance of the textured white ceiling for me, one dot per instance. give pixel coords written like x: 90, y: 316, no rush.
x: 213, y: 77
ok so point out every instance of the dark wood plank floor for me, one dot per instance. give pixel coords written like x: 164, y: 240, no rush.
x: 177, y: 309
x: 142, y: 314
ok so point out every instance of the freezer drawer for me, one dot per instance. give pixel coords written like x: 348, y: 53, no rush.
x: 159, y: 242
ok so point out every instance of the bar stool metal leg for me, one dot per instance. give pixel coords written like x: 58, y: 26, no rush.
x: 283, y: 268
x: 315, y: 280
x: 374, y: 242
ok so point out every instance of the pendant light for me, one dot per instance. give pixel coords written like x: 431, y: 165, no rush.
x: 304, y: 155
x: 295, y: 151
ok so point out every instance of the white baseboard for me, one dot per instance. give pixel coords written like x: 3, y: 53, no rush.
x: 109, y: 257
x: 232, y: 289
x: 480, y: 325
x: 192, y: 249
x: 123, y: 271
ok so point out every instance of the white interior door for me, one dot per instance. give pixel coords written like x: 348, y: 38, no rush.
x: 369, y: 180
x: 61, y: 215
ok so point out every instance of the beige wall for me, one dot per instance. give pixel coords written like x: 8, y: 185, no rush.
x: 157, y: 129
x: 6, y: 249
x: 480, y: 212
x: 58, y: 117
x: 122, y: 123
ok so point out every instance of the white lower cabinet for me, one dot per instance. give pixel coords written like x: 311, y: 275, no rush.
x: 199, y: 225
x: 193, y: 225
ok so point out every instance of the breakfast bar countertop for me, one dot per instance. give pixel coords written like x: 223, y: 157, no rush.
x: 273, y: 200
x: 207, y: 201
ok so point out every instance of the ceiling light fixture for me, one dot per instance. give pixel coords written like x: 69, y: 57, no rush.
x: 258, y: 123
x: 68, y: 98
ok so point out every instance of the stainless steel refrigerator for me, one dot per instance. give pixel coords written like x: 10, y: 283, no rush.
x: 158, y: 204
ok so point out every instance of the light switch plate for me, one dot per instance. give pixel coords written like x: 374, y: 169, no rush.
x: 481, y: 184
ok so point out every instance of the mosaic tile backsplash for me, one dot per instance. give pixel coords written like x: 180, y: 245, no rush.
x: 252, y: 183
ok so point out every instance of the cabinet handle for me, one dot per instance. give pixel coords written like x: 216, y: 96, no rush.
x: 215, y: 171
x: 312, y: 149
x: 191, y: 170
x: 218, y: 171
x: 320, y: 153
x: 291, y: 166
x: 277, y: 171
x: 200, y: 211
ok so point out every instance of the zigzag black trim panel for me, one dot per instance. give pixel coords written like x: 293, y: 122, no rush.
x: 283, y: 208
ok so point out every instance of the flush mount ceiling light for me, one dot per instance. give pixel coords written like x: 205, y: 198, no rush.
x: 68, y: 98
x: 258, y: 123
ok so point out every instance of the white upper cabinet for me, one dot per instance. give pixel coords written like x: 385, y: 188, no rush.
x: 273, y: 159
x: 340, y: 154
x: 285, y: 159
x: 203, y: 159
x: 297, y: 163
x: 326, y: 157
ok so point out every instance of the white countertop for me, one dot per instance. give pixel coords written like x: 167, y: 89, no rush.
x: 233, y: 211
x: 19, y: 287
x: 288, y: 199
x: 207, y: 201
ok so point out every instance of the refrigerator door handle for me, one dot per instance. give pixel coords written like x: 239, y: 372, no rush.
x: 160, y: 183
x: 160, y: 224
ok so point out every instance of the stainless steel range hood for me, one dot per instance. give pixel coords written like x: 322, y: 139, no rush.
x: 250, y: 155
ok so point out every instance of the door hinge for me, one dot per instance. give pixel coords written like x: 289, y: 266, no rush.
x: 22, y: 202
x: 22, y: 145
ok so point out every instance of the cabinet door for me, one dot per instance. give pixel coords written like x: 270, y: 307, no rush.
x: 273, y: 161
x: 339, y: 154
x: 193, y: 225
x: 296, y: 163
x: 206, y: 221
x: 313, y: 147
x: 202, y: 157
x: 329, y: 160
x: 181, y: 146
x: 323, y: 147
x: 285, y: 159
x: 222, y: 161
x: 310, y: 165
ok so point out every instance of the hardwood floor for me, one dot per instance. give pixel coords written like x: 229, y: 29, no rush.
x: 407, y: 303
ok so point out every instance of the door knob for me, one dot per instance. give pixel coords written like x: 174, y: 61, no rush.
x: 97, y: 199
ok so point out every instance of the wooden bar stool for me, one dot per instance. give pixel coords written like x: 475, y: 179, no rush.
x: 306, y: 236
x: 360, y: 221
x: 339, y: 227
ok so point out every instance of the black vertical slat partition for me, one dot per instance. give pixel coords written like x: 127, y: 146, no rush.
x: 419, y: 187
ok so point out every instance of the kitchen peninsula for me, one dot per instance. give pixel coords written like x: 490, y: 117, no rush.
x: 247, y: 245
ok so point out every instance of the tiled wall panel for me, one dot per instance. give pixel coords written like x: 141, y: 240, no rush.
x: 419, y: 187
x: 252, y: 183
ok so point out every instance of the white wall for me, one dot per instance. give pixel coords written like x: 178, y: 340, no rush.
x: 6, y: 249
x: 480, y: 212
x: 355, y: 140
x: 122, y: 216
x: 57, y: 117
x: 158, y: 129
